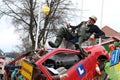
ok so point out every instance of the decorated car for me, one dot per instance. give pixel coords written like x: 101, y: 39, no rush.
x: 61, y: 64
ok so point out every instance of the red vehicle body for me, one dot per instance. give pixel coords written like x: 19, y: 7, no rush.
x: 84, y: 69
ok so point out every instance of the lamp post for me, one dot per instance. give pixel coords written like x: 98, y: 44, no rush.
x: 38, y: 23
x: 45, y: 10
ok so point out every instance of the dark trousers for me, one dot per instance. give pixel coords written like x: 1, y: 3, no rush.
x: 70, y: 35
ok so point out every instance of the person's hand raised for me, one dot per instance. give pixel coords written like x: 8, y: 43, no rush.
x: 68, y: 25
x: 92, y: 37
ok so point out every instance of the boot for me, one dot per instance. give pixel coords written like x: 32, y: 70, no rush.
x: 78, y: 44
x: 57, y: 42
x: 63, y: 32
x: 82, y: 54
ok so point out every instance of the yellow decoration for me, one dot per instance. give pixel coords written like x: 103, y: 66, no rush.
x: 45, y: 10
x: 27, y: 70
x: 118, y: 66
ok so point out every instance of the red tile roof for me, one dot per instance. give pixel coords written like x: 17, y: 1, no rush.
x: 109, y: 32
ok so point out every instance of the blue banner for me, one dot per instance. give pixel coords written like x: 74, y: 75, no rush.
x: 115, y: 57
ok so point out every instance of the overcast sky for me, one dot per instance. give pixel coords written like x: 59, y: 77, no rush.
x: 8, y: 37
x: 110, y: 16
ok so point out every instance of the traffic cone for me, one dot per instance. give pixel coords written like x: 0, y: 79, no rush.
x: 98, y: 69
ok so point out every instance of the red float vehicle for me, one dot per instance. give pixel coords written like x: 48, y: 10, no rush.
x: 63, y: 64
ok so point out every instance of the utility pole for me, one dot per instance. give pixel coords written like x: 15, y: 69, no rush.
x: 102, y: 6
x: 81, y: 10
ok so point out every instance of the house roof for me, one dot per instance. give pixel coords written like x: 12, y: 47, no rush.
x: 111, y: 33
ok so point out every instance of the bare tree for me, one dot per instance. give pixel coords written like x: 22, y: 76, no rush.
x: 24, y: 15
